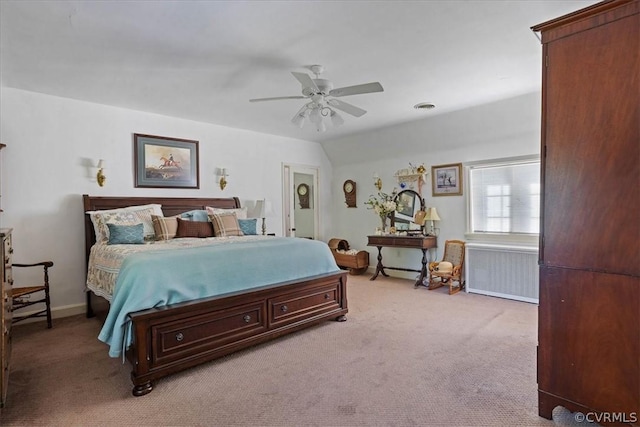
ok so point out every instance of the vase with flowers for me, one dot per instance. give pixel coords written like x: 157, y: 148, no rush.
x: 383, y: 205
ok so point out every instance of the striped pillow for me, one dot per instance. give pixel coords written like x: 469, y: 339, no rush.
x: 188, y: 228
x: 225, y: 225
x: 165, y: 227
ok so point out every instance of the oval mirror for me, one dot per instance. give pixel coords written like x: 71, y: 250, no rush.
x: 404, y: 219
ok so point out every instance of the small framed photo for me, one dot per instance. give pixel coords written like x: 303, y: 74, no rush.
x: 162, y: 162
x: 446, y: 180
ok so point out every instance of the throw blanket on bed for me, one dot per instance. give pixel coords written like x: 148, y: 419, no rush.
x: 158, y: 278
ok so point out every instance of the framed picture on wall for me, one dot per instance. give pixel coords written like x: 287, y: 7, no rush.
x: 163, y: 162
x: 446, y: 180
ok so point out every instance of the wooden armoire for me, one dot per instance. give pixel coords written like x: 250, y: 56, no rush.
x: 589, y: 313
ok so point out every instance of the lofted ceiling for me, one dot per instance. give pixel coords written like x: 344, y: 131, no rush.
x: 204, y: 60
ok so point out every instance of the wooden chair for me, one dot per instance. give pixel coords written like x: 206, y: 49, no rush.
x: 22, y: 295
x: 453, y: 253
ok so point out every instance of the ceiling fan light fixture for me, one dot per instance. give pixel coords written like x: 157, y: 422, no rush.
x: 319, y: 94
x: 315, y: 116
x: 336, y: 119
x: 298, y: 120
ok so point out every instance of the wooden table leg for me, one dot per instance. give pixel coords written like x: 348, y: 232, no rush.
x: 423, y: 271
x: 379, y: 267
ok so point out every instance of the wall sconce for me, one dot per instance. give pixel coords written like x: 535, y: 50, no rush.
x: 100, y: 177
x: 377, y: 181
x: 223, y: 178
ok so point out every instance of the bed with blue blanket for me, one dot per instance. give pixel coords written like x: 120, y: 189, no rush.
x: 179, y: 303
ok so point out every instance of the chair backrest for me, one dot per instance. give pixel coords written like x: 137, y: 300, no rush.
x: 454, y: 252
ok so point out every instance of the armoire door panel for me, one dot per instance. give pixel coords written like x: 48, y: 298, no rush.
x: 591, y: 176
x: 589, y: 338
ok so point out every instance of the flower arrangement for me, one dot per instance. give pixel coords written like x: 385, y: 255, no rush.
x: 384, y: 205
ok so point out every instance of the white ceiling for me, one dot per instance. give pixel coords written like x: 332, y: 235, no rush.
x: 203, y: 60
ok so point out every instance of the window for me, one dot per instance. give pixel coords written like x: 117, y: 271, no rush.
x: 504, y: 199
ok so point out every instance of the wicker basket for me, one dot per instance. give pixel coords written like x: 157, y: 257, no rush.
x: 356, y: 263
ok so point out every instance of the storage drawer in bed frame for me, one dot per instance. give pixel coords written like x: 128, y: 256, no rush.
x: 197, y: 332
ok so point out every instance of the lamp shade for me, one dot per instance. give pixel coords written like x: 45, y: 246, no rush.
x: 432, y: 215
x: 263, y: 209
x: 101, y: 164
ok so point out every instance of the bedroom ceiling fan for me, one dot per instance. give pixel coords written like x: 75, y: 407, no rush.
x: 320, y: 93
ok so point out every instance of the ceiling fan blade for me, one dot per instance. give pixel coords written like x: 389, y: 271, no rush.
x: 277, y: 98
x: 305, y: 81
x: 357, y: 89
x: 346, y: 107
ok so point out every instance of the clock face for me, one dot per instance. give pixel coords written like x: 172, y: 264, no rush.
x: 348, y: 187
x: 302, y: 190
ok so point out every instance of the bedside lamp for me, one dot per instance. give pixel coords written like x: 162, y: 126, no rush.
x: 263, y: 210
x: 432, y: 215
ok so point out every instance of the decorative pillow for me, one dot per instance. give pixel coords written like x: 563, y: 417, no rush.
x: 195, y: 215
x: 125, y: 234
x: 225, y: 225
x: 188, y: 228
x: 165, y: 227
x: 124, y: 216
x: 241, y: 213
x: 248, y: 226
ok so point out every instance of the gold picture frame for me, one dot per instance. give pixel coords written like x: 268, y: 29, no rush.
x: 446, y: 180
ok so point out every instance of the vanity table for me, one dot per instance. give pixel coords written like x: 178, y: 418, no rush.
x: 411, y: 235
x: 424, y: 243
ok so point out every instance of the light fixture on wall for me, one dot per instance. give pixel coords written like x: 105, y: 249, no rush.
x: 432, y: 215
x: 263, y: 210
x: 223, y: 178
x: 377, y: 181
x: 100, y: 177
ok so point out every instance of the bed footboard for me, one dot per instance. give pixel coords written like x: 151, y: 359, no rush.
x: 172, y: 338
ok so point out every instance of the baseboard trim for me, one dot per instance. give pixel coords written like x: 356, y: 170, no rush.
x: 56, y: 313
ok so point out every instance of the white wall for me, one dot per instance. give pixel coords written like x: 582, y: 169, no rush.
x: 54, y: 143
x: 502, y: 129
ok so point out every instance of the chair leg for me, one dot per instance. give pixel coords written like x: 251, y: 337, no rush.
x: 454, y: 290
x: 48, y: 303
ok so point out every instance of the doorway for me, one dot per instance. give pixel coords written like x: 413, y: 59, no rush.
x: 300, y: 201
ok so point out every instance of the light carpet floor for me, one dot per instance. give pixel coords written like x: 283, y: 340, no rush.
x: 404, y: 357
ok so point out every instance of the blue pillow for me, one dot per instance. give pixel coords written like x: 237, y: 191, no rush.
x: 248, y: 226
x: 196, y: 215
x: 126, y: 234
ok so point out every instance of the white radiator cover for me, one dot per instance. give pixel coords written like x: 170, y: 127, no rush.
x: 502, y: 271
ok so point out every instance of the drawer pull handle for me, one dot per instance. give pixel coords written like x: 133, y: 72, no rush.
x: 284, y: 308
x: 326, y: 296
x: 179, y: 336
x: 246, y: 318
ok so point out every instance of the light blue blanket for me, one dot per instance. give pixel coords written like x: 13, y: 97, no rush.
x: 153, y: 279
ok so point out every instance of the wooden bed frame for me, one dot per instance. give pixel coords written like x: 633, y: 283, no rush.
x: 175, y: 337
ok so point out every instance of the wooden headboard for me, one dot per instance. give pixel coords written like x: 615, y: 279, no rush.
x: 170, y: 206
